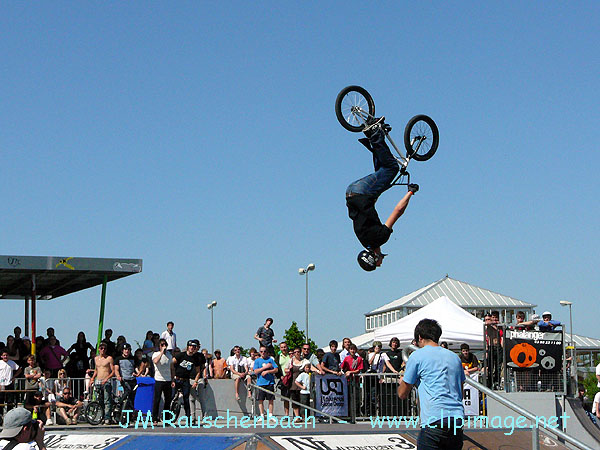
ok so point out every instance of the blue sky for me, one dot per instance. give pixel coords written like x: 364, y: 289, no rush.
x: 201, y: 137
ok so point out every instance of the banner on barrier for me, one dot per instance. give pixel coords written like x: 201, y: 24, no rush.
x: 55, y: 441
x: 331, y: 395
x: 534, y: 349
x: 346, y: 442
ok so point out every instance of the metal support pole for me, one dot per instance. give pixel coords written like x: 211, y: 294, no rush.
x: 535, y: 438
x: 212, y: 331
x: 307, y: 307
x: 33, y: 314
x: 26, y: 329
x: 101, y: 319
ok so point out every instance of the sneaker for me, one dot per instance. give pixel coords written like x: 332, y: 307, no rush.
x: 49, y: 422
x: 373, y: 125
x: 413, y: 188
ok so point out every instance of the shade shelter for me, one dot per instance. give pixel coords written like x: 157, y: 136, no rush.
x: 458, y: 325
x: 34, y: 278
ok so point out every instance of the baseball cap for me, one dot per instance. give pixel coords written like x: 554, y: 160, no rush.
x: 127, y: 346
x: 193, y: 342
x: 14, y: 421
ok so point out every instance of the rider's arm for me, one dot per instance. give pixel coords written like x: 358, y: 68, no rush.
x: 398, y: 210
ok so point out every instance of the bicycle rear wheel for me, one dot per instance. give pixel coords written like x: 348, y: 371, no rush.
x: 353, y: 106
x: 175, y: 407
x: 93, y: 413
x: 421, y: 138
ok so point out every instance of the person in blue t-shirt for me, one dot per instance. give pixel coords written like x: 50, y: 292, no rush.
x: 439, y: 377
x: 265, y: 368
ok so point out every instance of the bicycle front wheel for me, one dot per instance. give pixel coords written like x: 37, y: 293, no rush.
x: 353, y: 106
x: 93, y: 413
x: 421, y: 138
x: 175, y: 407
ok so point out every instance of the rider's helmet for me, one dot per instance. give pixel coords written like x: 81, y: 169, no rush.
x: 367, y: 260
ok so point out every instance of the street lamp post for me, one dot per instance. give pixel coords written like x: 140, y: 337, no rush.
x: 572, y: 346
x: 211, y: 307
x: 303, y: 271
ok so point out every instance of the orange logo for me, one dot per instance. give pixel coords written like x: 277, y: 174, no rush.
x: 523, y: 355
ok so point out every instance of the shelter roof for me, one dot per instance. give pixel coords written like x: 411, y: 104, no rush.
x: 56, y: 276
x: 463, y: 294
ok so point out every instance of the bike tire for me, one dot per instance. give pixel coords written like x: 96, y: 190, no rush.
x: 421, y: 125
x: 350, y: 98
x: 175, y: 407
x: 94, y: 413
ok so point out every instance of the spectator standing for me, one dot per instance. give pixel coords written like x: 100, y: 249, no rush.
x: 188, y: 367
x: 120, y: 343
x: 282, y: 361
x: 13, y: 349
x: 393, y: 357
x: 33, y: 373
x: 376, y: 365
x: 296, y: 366
x: 346, y: 342
x: 49, y: 334
x: 547, y: 324
x: 164, y: 375
x: 9, y: 370
x: 303, y: 382
x: 81, y: 347
x: 52, y: 356
x: 170, y: 336
x: 265, y: 368
x: 102, y: 379
x: 111, y: 347
x: 219, y: 366
x: 439, y: 376
x: 251, y: 375
x: 352, y: 365
x: 265, y: 335
x: 125, y: 373
x: 311, y: 358
x: 237, y: 365
x: 331, y: 362
x: 595, y: 404
x: 148, y: 346
x: 68, y: 407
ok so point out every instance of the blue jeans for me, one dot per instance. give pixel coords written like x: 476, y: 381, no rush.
x: 105, y: 397
x: 440, y: 438
x: 386, y: 169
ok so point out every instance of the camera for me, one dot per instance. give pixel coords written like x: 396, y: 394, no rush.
x: 35, y: 428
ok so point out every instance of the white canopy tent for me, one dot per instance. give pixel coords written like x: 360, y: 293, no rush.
x: 458, y: 326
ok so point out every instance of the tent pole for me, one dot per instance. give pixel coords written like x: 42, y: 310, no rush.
x: 102, y: 303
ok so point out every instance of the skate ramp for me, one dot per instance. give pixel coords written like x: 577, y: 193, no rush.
x: 580, y: 425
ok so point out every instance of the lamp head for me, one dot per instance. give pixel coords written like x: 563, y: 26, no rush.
x: 311, y: 266
x: 301, y: 271
x: 565, y: 303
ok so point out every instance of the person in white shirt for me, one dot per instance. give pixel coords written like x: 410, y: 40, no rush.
x: 346, y: 342
x: 238, y: 366
x: 8, y: 371
x: 303, y: 382
x: 595, y: 409
x: 164, y: 373
x: 170, y: 336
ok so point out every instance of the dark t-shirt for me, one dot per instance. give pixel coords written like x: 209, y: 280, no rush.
x: 395, y: 359
x: 266, y: 336
x: 332, y: 361
x: 368, y: 228
x: 186, y: 364
x: 469, y: 362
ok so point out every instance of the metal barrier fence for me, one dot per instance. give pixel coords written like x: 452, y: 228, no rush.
x: 376, y: 394
x: 79, y: 387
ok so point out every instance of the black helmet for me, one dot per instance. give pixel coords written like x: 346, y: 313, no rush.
x: 367, y: 260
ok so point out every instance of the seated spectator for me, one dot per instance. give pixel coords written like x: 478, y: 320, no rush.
x: 68, y: 407
x: 47, y: 386
x: 40, y: 409
x: 218, y: 366
x: 303, y: 382
x: 331, y: 362
x: 468, y: 360
x: 61, y: 382
x: 33, y: 373
x: 52, y: 356
x: 251, y: 376
x: 547, y: 324
x: 237, y: 365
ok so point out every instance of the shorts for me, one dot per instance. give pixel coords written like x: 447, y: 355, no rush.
x: 295, y: 395
x: 262, y: 395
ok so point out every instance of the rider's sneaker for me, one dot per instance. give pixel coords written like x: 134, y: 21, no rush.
x: 413, y: 188
x: 373, y: 125
x: 387, y: 128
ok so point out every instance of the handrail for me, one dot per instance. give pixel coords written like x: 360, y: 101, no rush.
x: 277, y: 394
x: 512, y: 405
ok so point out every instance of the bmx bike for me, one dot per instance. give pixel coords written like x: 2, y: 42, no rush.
x: 355, y: 108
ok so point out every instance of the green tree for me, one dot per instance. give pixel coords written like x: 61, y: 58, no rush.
x: 296, y: 338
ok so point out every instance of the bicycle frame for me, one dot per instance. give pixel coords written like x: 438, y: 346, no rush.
x: 403, y: 159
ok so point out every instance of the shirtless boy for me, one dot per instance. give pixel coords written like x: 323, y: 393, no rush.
x: 102, y: 380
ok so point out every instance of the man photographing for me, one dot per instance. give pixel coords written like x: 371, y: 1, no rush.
x: 21, y: 432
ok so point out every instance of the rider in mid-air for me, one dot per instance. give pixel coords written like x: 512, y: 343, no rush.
x: 362, y: 195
